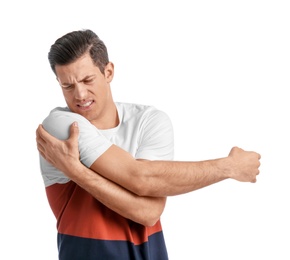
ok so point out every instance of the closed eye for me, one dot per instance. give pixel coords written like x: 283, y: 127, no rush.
x: 67, y: 86
x: 88, y: 81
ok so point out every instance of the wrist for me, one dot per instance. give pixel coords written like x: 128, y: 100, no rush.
x: 225, y: 168
x: 72, y: 168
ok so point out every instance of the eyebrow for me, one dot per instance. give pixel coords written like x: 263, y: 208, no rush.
x: 85, y: 78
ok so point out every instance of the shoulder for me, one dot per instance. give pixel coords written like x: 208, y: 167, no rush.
x: 141, y: 112
x: 59, y: 121
x: 63, y: 113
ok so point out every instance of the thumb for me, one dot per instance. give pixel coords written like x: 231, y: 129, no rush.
x: 74, y: 131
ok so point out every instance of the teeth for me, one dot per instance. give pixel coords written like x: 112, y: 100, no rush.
x: 86, y: 104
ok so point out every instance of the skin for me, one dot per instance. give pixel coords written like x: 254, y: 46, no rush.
x: 136, y: 189
x: 83, y: 83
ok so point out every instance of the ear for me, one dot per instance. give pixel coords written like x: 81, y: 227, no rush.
x: 109, y: 72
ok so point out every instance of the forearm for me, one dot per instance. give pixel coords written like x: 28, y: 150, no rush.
x: 143, y: 210
x: 174, y: 178
x: 159, y: 178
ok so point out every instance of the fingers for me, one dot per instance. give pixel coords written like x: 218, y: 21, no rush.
x: 247, y: 164
x: 44, y: 139
x: 37, y: 132
x: 39, y: 140
x: 42, y: 133
x: 39, y: 144
x: 258, y: 156
x: 74, y: 131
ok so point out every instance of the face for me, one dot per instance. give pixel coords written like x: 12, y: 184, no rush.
x: 87, y: 91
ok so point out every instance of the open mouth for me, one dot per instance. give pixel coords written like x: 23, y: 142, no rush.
x: 86, y: 105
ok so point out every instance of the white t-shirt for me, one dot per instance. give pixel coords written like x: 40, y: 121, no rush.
x: 143, y: 131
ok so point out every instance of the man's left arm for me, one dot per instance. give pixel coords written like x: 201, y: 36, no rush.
x: 156, y: 141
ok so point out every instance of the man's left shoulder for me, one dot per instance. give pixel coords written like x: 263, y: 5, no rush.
x: 139, y: 110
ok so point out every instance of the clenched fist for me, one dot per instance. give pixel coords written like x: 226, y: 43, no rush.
x: 244, y: 165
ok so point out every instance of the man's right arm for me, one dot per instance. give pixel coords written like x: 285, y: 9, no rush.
x: 148, y: 178
x: 168, y: 178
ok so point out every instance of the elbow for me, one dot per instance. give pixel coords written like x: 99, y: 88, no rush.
x: 148, y: 221
x: 142, y: 189
x: 149, y: 216
x: 143, y: 182
x: 152, y: 216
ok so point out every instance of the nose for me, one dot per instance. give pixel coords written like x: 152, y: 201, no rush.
x: 80, y: 91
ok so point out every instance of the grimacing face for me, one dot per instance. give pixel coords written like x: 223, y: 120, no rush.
x: 86, y: 90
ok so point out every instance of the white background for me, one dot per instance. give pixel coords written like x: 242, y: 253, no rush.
x: 220, y: 69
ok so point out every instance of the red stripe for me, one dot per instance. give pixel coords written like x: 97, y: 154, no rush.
x: 79, y: 214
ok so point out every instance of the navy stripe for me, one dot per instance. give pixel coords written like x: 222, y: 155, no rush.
x: 76, y: 248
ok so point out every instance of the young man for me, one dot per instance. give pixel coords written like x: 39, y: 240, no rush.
x: 107, y: 165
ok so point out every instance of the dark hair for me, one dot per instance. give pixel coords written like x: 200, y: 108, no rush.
x: 73, y: 45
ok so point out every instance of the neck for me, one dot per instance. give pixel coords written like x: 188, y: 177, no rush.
x: 110, y: 118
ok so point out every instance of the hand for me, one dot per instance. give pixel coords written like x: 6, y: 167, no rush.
x: 245, y: 165
x: 60, y: 153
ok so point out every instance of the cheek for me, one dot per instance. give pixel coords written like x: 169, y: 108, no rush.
x: 68, y: 98
x: 67, y: 94
x: 101, y: 92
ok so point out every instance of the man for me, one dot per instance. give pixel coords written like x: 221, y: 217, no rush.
x: 107, y: 165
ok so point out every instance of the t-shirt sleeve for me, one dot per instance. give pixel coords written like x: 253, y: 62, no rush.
x: 156, y: 141
x: 92, y: 144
